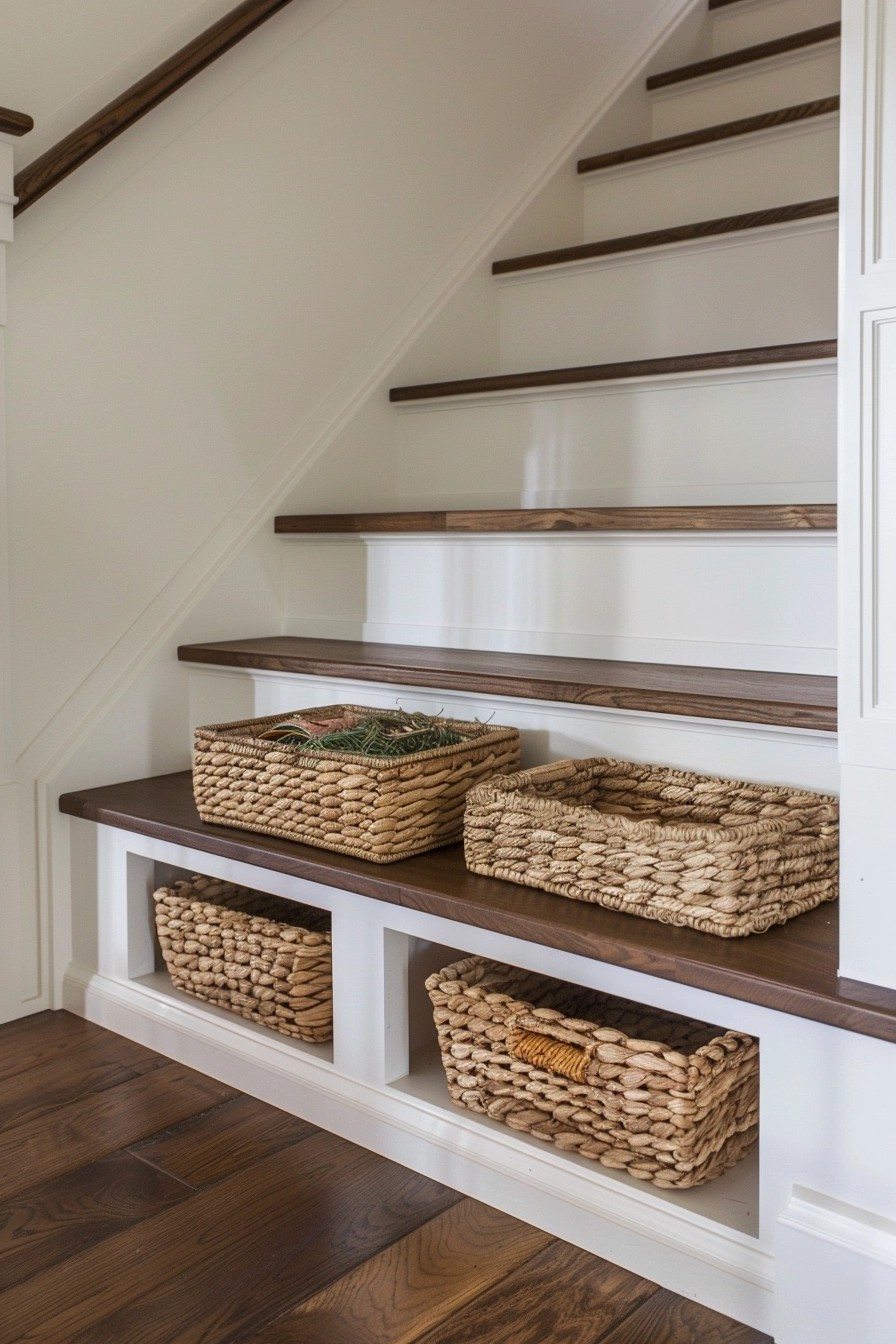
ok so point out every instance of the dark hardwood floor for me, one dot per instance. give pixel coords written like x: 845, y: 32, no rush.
x: 142, y: 1203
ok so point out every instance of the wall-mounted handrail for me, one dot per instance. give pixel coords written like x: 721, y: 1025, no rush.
x: 15, y: 123
x: 63, y: 158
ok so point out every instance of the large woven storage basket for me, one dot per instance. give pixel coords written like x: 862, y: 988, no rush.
x: 720, y: 855
x: 665, y: 1099
x: 375, y: 808
x: 256, y: 955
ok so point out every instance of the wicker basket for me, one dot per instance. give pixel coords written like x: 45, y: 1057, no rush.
x: 716, y: 854
x: 264, y: 958
x: 665, y: 1099
x: 375, y: 808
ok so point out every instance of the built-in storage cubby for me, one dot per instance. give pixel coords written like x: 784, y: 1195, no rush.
x: 146, y: 877
x: 381, y: 1083
x: 730, y: 1200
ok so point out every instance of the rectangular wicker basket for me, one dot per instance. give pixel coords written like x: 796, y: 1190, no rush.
x: 257, y: 955
x: 720, y: 855
x: 665, y: 1099
x: 372, y: 807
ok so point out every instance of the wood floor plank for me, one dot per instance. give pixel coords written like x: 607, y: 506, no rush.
x: 415, y: 1284
x: 89, y: 1065
x: 220, y: 1142
x: 233, y: 1257
x: 563, y: 1295
x: 66, y: 1216
x: 101, y: 1124
x: 31, y: 1041
x: 312, y: 1241
x: 668, y: 1319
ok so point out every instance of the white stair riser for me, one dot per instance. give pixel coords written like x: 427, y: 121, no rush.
x: 745, y: 24
x: 760, y: 86
x: 758, y: 436
x: 550, y: 731
x: 720, y: 600
x: 676, y: 300
x: 753, y: 172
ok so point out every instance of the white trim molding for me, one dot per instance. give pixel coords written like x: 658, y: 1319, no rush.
x: 836, y: 1272
x: 867, y: 499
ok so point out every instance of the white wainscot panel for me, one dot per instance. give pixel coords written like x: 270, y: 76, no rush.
x: 764, y: 601
x: 757, y: 437
x: 880, y: 137
x: 868, y: 918
x: 879, y: 542
x: 835, y: 1272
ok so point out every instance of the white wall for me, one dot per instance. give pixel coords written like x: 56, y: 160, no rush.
x: 198, y: 309
x: 62, y: 60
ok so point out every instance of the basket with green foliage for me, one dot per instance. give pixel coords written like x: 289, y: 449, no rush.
x: 377, y: 784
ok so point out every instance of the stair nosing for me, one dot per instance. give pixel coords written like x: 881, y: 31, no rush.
x: 656, y: 238
x: 622, y: 370
x: 734, y: 60
x: 705, y: 518
x: 599, y: 683
x: 794, y: 114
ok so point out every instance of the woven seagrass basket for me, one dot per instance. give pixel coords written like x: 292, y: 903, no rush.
x: 662, y: 1098
x: 373, y: 807
x: 257, y: 955
x: 719, y: 855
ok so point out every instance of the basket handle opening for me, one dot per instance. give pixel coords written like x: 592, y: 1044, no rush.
x: 547, y: 1052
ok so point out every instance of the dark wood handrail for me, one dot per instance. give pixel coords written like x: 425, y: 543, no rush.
x: 63, y: 158
x: 15, y: 123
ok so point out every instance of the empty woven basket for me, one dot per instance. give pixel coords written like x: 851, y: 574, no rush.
x: 720, y: 855
x: 665, y: 1099
x: 254, y: 954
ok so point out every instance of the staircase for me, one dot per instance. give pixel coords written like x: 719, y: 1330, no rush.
x: 620, y: 536
x: 633, y: 509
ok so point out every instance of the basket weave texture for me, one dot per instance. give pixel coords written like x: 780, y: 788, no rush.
x: 372, y: 807
x: 719, y: 855
x: 257, y: 955
x: 664, y: 1099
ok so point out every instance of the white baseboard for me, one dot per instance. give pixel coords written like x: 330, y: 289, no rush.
x: 719, y: 1267
x: 837, y: 1275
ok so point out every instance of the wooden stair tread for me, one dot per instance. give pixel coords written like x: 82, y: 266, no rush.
x: 708, y: 135
x: 620, y: 369
x: 774, y: 698
x: 664, y: 518
x: 15, y: 123
x: 680, y: 233
x: 779, y: 46
x: 792, y: 968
